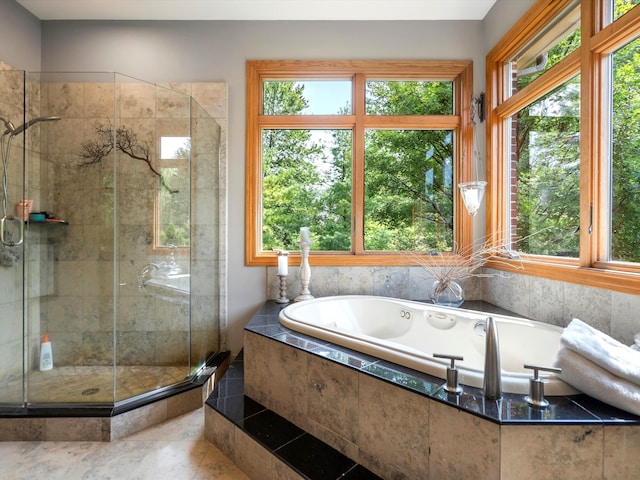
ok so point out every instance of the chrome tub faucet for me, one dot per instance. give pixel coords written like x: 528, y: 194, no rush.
x: 492, y: 375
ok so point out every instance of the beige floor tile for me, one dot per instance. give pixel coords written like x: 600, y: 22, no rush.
x: 175, y: 449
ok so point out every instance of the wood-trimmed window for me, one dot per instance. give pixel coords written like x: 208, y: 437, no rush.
x: 172, y: 205
x: 568, y: 134
x: 359, y: 122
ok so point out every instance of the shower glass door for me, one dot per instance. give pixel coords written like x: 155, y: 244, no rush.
x: 108, y: 270
x: 70, y: 166
x: 153, y: 238
x: 12, y: 328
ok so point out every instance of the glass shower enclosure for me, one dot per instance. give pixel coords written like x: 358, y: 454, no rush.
x: 97, y: 248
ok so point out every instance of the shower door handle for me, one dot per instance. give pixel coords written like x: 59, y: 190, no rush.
x: 6, y: 237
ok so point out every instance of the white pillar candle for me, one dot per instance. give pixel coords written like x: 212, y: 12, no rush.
x: 304, y: 234
x: 283, y: 264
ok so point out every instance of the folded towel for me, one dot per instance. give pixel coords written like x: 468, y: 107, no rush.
x: 613, y: 356
x: 597, y: 382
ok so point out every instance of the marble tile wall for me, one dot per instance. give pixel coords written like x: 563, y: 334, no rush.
x: 411, y: 283
x: 12, y: 278
x: 11, y: 339
x: 548, y: 301
x: 556, y: 302
x: 209, y: 216
x: 92, y: 198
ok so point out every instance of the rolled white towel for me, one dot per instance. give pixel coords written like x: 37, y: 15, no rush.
x: 603, y: 350
x: 597, y: 382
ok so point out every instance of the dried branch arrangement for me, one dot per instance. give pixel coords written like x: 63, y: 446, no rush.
x: 126, y: 141
x: 465, y: 263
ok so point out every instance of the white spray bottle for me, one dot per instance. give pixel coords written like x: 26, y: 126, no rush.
x: 46, y: 355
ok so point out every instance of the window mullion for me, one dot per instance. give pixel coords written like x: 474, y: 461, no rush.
x: 590, y: 239
x: 357, y: 220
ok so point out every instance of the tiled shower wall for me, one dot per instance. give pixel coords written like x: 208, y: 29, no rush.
x: 541, y: 299
x: 79, y: 315
x: 70, y: 284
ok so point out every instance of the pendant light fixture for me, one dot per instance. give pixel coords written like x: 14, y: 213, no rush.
x: 472, y: 192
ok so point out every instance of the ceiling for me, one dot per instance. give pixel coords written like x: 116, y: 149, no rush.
x: 258, y: 9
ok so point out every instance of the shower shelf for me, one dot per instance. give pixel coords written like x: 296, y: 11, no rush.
x: 59, y: 222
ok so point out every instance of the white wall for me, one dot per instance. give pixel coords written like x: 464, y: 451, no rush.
x: 500, y: 18
x: 19, y: 37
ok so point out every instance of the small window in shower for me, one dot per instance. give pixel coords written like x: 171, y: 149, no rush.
x: 175, y: 148
x: 174, y: 193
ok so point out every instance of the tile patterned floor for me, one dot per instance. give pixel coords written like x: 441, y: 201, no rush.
x: 174, y: 450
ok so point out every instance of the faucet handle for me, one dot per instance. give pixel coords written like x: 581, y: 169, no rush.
x: 452, y: 385
x: 536, y: 386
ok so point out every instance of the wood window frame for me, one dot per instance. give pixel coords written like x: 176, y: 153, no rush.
x: 597, y: 41
x: 258, y: 71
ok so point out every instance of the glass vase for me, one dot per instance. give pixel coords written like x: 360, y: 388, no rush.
x: 448, y: 294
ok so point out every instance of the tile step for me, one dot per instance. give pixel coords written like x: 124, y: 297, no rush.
x: 304, y: 456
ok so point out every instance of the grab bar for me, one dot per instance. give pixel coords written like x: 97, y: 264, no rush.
x: 3, y: 231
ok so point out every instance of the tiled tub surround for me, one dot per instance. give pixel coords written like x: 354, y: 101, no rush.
x: 557, y: 302
x: 401, y: 424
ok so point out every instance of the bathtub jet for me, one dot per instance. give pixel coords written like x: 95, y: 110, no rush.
x: 409, y: 333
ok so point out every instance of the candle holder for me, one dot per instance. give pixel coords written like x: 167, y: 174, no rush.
x: 305, y: 272
x: 283, y: 290
x: 283, y: 272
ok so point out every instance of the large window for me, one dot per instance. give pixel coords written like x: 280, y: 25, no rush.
x: 366, y: 154
x: 564, y: 139
x: 545, y: 169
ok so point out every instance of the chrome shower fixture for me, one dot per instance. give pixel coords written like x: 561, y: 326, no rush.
x: 24, y: 126
x: 8, y: 125
x: 7, y: 233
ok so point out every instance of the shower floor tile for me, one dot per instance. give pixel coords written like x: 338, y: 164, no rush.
x: 95, y: 384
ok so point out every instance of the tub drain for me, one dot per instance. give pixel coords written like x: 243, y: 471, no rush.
x: 90, y: 391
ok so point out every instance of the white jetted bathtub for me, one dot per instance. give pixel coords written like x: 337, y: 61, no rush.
x: 409, y: 333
